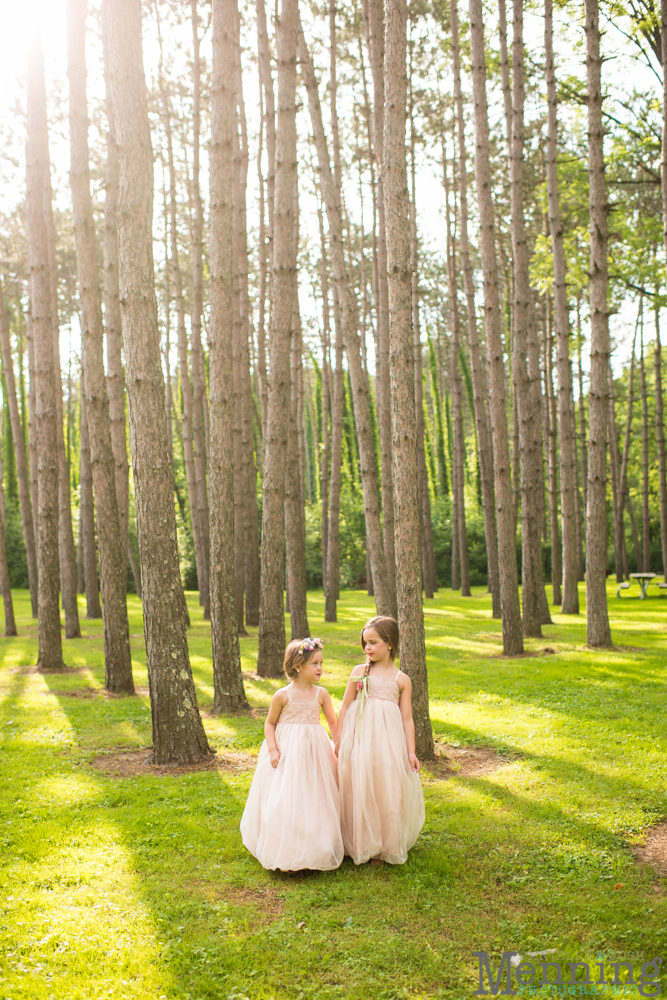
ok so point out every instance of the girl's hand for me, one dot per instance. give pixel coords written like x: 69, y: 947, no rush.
x: 275, y: 757
x: 414, y: 763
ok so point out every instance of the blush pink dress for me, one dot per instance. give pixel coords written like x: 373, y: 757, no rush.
x: 381, y: 798
x: 291, y: 820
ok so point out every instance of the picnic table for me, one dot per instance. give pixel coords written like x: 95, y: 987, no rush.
x: 644, y: 580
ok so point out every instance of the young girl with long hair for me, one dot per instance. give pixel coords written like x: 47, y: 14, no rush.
x: 382, y: 803
x: 291, y: 820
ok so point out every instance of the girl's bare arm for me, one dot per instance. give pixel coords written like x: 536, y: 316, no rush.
x: 405, y: 705
x: 329, y: 714
x: 277, y: 704
x: 348, y: 698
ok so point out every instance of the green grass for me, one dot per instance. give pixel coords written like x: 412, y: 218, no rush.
x: 140, y: 888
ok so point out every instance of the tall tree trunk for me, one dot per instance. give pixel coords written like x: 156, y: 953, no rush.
x: 5, y: 585
x: 46, y: 426
x: 333, y: 533
x: 325, y: 336
x: 65, y: 532
x: 114, y: 333
x: 249, y: 472
x: 578, y: 506
x: 531, y: 477
x: 199, y: 402
x: 32, y: 425
x: 19, y: 452
x: 660, y: 440
x: 402, y: 376
x: 552, y: 440
x: 261, y: 281
x: 375, y: 37
x: 459, y: 533
x: 237, y: 366
x: 479, y: 394
x: 659, y: 422
x: 295, y: 540
x: 625, y: 457
x: 583, y: 447
x: 87, y: 515
x: 598, y: 633
x: 428, y: 555
x: 178, y: 733
x: 229, y: 695
x: 359, y: 382
x: 507, y: 568
x: 271, y: 614
x: 646, y: 516
x: 113, y: 560
x: 186, y: 386
x: 615, y: 480
x: 570, y: 605
x: 539, y: 406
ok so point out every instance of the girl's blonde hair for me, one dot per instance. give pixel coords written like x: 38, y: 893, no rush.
x: 297, y: 655
x: 387, y: 629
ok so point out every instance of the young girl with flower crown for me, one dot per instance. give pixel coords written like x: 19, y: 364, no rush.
x: 291, y: 820
x: 381, y: 798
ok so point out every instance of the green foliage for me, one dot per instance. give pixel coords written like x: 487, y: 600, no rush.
x: 16, y: 556
x: 441, y: 516
x: 352, y: 540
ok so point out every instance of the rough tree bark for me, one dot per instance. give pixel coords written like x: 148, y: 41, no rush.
x: 271, y: 614
x: 375, y: 37
x: 114, y: 333
x: 531, y: 475
x: 325, y: 336
x: 570, y: 605
x: 552, y: 452
x: 460, y: 567
x: 401, y: 367
x: 659, y: 422
x: 507, y: 568
x: 19, y: 451
x: 65, y: 533
x: 295, y: 538
x: 178, y: 733
x: 333, y: 534
x: 199, y: 401
x: 113, y: 559
x: 428, y: 555
x: 479, y: 393
x: 598, y: 632
x: 5, y: 584
x: 660, y: 440
x: 87, y: 516
x: 229, y: 695
x: 646, y: 515
x: 46, y: 427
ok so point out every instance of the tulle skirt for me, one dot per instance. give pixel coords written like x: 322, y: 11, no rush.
x: 291, y: 820
x: 381, y: 798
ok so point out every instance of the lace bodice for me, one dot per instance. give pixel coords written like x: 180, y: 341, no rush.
x: 300, y: 712
x: 383, y: 688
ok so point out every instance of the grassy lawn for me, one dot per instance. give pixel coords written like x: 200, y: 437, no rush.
x: 139, y: 887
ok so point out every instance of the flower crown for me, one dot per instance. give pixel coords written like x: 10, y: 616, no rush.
x: 309, y: 645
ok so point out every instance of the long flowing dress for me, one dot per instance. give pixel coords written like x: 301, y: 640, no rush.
x: 381, y: 798
x: 291, y: 820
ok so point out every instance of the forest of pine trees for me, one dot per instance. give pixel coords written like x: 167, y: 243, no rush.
x: 349, y: 295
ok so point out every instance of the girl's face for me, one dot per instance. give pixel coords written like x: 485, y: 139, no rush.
x: 374, y: 647
x: 312, y: 671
